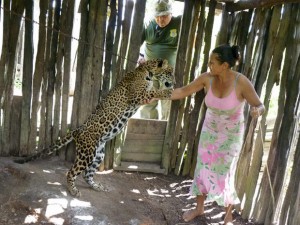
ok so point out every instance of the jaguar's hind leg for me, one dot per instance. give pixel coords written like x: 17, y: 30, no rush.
x: 81, y: 163
x: 90, y: 171
x: 71, y: 177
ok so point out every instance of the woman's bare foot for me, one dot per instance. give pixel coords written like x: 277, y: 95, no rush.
x: 191, y: 214
x: 228, y: 219
x: 228, y: 216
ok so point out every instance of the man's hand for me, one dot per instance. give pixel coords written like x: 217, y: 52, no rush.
x: 141, y: 59
x: 148, y: 101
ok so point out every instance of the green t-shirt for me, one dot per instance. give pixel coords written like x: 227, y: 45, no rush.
x: 162, y: 42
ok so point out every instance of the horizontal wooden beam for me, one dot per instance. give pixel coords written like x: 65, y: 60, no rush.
x: 252, y: 4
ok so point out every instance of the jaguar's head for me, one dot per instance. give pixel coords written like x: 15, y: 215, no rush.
x: 160, y: 69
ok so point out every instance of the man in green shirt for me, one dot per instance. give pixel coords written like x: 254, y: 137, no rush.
x: 160, y: 37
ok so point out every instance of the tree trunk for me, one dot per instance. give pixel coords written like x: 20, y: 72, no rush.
x: 109, y: 54
x: 186, y: 110
x: 291, y: 204
x: 5, y: 50
x: 37, y: 78
x: 15, y: 21
x: 124, y: 42
x: 225, y: 29
x: 273, y: 77
x: 58, y: 75
x: 169, y: 142
x: 265, y: 194
x: 284, y: 142
x: 81, y: 54
x: 239, y: 34
x: 178, y: 153
x: 272, y: 33
x: 66, y: 72
x: 257, y: 23
x: 43, y: 117
x: 98, y: 50
x: 27, y: 79
x: 135, y: 34
x: 51, y: 79
x: 194, y: 114
x: 82, y: 47
x: 117, y: 45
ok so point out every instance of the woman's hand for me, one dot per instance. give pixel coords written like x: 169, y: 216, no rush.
x: 256, y: 112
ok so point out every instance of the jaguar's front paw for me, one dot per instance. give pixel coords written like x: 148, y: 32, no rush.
x: 99, y: 187
x: 74, y: 192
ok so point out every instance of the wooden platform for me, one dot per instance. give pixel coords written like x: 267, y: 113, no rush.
x: 142, y: 147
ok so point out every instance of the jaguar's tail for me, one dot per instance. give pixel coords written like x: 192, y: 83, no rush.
x: 47, y: 151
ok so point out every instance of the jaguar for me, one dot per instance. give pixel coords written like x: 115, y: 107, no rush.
x: 108, y: 119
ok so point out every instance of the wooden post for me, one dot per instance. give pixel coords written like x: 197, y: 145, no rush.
x: 15, y: 132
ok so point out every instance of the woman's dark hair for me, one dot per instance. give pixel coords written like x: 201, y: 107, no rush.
x: 227, y: 53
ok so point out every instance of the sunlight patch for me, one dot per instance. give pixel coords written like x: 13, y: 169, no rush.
x: 54, y: 183
x: 57, y: 221
x: 48, y: 171
x: 134, y: 167
x: 105, y: 172
x: 187, y: 181
x: 150, y: 178
x: 87, y: 218
x: 173, y: 185
x: 135, y: 191
x: 58, y: 201
x: 154, y: 192
x: 217, y: 216
x: 64, y: 193
x: 76, y: 202
x: 182, y: 195
x: 31, y: 219
x: 164, y: 191
x: 55, y: 206
x: 52, y: 210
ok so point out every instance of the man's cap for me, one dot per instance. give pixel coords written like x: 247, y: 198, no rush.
x: 162, y: 8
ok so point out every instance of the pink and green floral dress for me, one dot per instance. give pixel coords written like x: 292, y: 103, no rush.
x: 219, y: 147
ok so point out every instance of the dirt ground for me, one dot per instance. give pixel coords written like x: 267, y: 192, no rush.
x: 35, y: 193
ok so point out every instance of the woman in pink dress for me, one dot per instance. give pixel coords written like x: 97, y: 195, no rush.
x: 222, y: 132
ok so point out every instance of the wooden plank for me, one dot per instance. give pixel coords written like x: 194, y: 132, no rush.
x: 243, y: 5
x: 141, y: 167
x: 140, y: 146
x: 140, y: 157
x: 143, y: 126
x: 134, y: 136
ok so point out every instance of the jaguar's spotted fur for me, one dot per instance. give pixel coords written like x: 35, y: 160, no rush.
x: 110, y: 116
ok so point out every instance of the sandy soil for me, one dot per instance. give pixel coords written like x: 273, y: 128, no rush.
x: 35, y: 193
